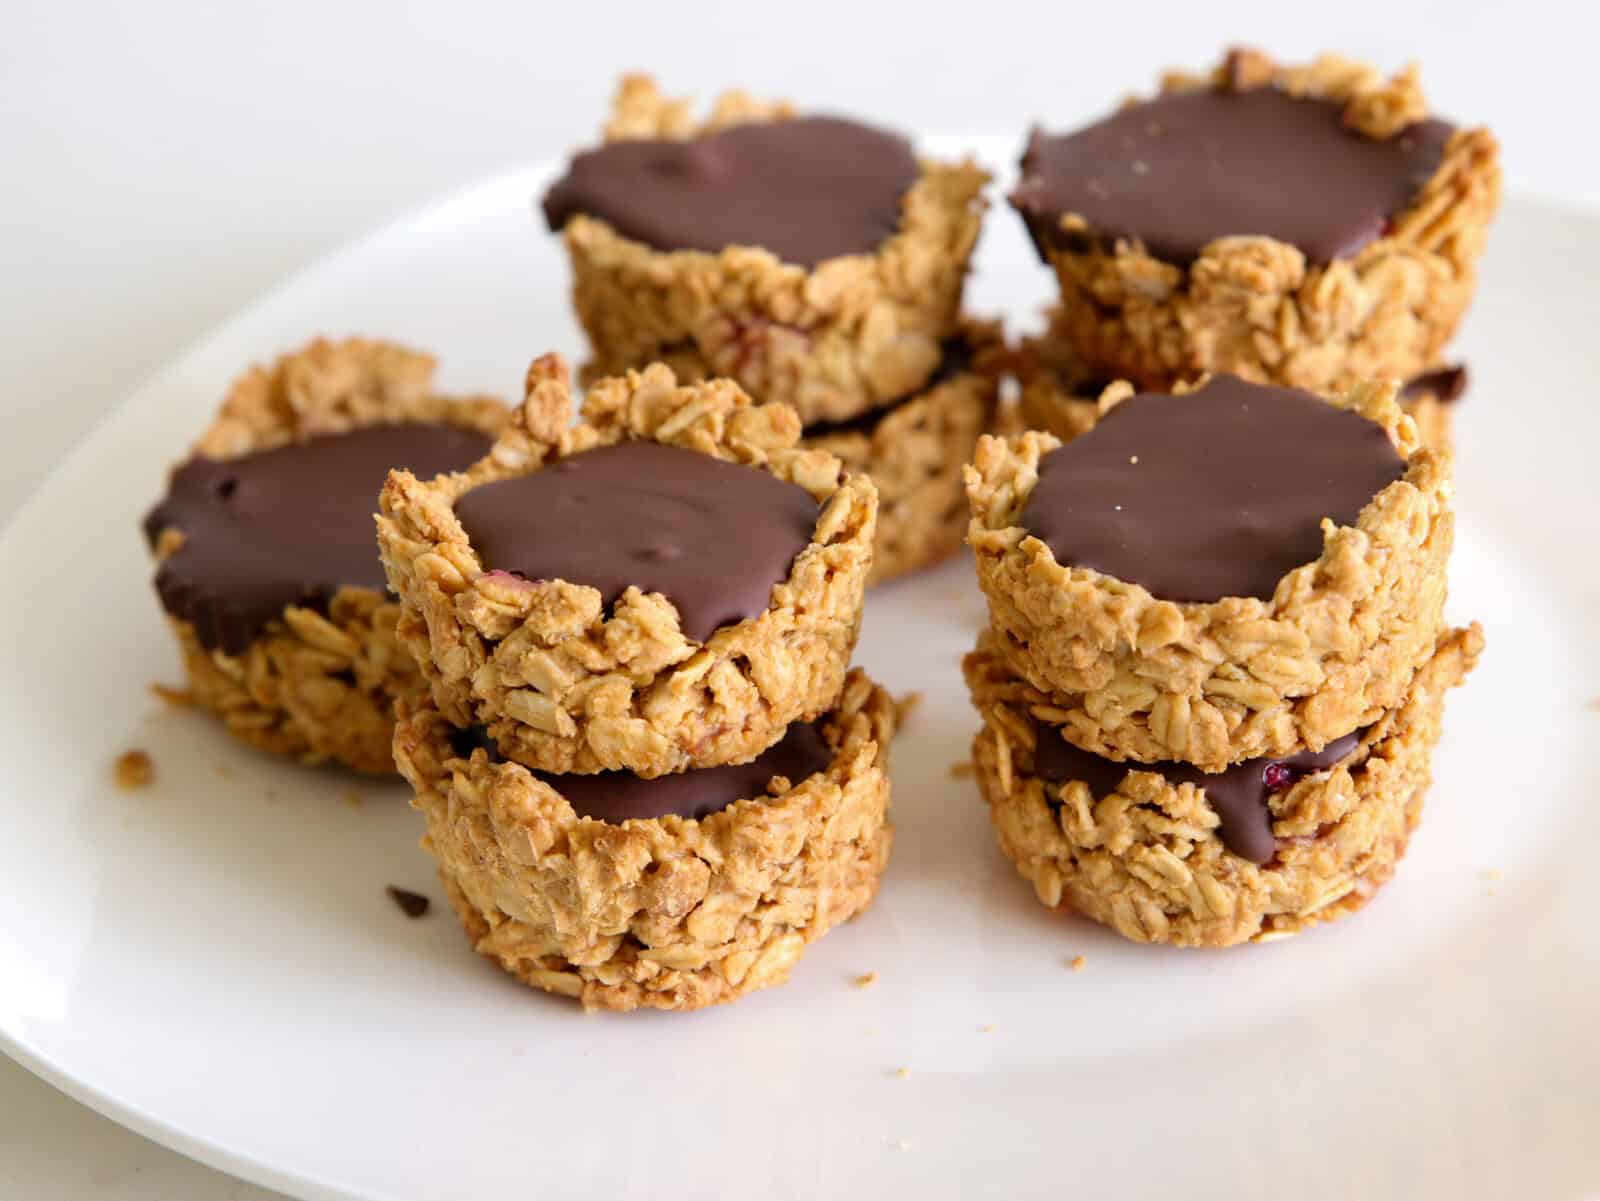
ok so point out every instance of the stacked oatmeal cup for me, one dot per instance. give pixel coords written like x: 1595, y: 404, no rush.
x: 1216, y: 657
x: 649, y: 776
x: 1314, y: 227
x: 815, y: 261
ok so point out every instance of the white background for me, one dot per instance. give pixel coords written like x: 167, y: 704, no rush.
x: 160, y: 164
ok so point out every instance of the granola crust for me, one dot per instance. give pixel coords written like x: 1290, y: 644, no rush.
x: 1146, y: 861
x: 833, y: 342
x: 1133, y: 676
x: 915, y: 453
x: 565, y: 687
x: 1254, y: 306
x: 1058, y: 396
x: 665, y: 913
x: 319, y: 687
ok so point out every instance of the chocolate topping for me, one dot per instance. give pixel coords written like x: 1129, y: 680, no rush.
x: 617, y: 796
x: 287, y: 526
x: 1238, y: 794
x: 1446, y: 385
x: 712, y: 537
x: 1189, y: 167
x: 807, y: 189
x: 1216, y: 493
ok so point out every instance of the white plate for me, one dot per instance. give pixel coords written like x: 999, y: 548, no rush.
x: 214, y: 963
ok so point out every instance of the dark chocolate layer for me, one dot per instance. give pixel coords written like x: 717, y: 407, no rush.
x: 807, y: 189
x: 712, y: 537
x: 617, y: 796
x: 1446, y: 385
x: 1187, y: 168
x: 288, y: 526
x: 1238, y: 795
x: 1217, y: 493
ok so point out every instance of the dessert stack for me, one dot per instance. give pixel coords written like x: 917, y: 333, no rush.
x: 1216, y: 657
x: 649, y: 776
x: 813, y: 260
x: 1312, y: 226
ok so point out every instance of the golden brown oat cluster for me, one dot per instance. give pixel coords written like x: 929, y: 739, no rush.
x: 320, y: 686
x: 915, y: 453
x: 665, y: 913
x: 835, y: 341
x: 1059, y: 396
x: 1145, y: 858
x: 565, y: 686
x: 1135, y: 676
x: 1256, y: 307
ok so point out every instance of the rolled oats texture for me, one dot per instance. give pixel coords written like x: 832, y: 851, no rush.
x: 320, y: 687
x: 914, y: 453
x: 1255, y: 307
x: 1059, y: 396
x: 1130, y: 675
x: 663, y: 913
x: 835, y: 341
x: 562, y: 684
x: 1146, y: 859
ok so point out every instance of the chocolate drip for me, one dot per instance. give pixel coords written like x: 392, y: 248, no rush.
x: 807, y: 189
x: 287, y: 526
x: 1238, y: 795
x: 1186, y: 168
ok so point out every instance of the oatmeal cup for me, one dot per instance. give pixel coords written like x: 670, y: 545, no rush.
x: 1162, y: 852
x: 666, y: 585
x: 1057, y: 395
x: 815, y: 260
x: 1216, y: 574
x: 267, y: 568
x: 915, y: 450
x: 671, y: 893
x: 1308, y: 226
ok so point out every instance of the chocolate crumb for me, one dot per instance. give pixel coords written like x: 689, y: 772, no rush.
x: 134, y: 769
x: 412, y: 904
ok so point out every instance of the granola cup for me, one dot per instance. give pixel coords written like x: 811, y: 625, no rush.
x: 1132, y: 676
x: 835, y: 341
x: 915, y: 453
x: 1146, y: 860
x: 1255, y: 307
x: 318, y: 686
x: 664, y: 913
x: 564, y: 686
x: 1057, y: 395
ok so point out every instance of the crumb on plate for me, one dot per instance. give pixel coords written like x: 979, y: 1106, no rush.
x: 134, y: 769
